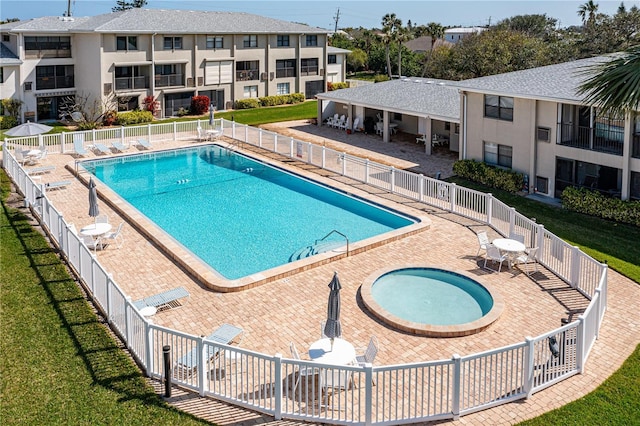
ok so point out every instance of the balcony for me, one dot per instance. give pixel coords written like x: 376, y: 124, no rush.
x: 167, y: 80
x: 47, y: 53
x: 602, y: 138
x: 247, y: 75
x: 285, y: 72
x: 310, y: 70
x: 129, y: 83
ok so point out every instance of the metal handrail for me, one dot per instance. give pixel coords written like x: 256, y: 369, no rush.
x: 335, y: 231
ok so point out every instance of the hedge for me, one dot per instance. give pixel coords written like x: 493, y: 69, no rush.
x: 593, y: 203
x: 134, y: 117
x: 7, y: 121
x: 491, y: 176
x: 264, y: 101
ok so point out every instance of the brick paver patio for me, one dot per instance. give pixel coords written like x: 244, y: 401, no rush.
x: 290, y: 309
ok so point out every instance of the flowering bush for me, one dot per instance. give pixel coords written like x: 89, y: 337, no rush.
x: 199, y: 105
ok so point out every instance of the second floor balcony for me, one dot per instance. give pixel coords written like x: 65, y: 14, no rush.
x: 168, y: 80
x: 53, y: 82
x: 131, y: 83
x: 601, y: 138
x: 247, y: 75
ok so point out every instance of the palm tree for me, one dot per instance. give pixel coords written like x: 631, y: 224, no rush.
x: 435, y: 31
x: 402, y: 35
x: 614, y: 86
x: 587, y: 12
x: 389, y: 25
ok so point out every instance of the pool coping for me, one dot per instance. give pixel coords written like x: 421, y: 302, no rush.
x: 430, y: 330
x: 212, y: 279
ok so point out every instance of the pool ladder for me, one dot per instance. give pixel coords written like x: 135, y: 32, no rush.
x: 335, y: 231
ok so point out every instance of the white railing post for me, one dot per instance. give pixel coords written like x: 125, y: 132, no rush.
x: 368, y: 394
x: 122, y: 130
x: 344, y: 163
x: 512, y: 220
x: 275, y: 142
x: 109, y: 307
x: 489, y: 201
x: 529, y: 367
x: 598, y: 297
x: 452, y: 198
x: 309, y: 153
x: 233, y: 130
x: 291, y: 147
x: 202, y: 368
x: 580, y: 344
x: 366, y: 170
x: 149, y: 132
x: 148, y: 342
x: 175, y: 131
x: 323, y: 157
x: 260, y: 138
x: 574, y: 276
x: 392, y: 179
x: 277, y: 363
x: 457, y: 387
x: 421, y: 181
x: 62, y: 138
x: 246, y: 133
x: 128, y: 329
x: 93, y: 136
x: 540, y: 242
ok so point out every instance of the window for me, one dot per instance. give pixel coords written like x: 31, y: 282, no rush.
x: 250, y: 41
x: 54, y: 77
x: 130, y: 77
x: 312, y: 40
x: 47, y: 43
x: 218, y: 72
x: 500, y: 107
x: 283, y: 89
x: 247, y: 70
x: 332, y: 59
x: 6, y: 38
x: 127, y: 103
x: 286, y: 68
x: 635, y: 138
x: 542, y: 185
x: 169, y: 75
x: 214, y: 42
x: 397, y: 116
x: 250, y: 91
x: 543, y: 134
x: 309, y: 66
x: 1, y: 75
x: 456, y: 129
x: 283, y: 41
x: 497, y: 155
x: 28, y: 86
x: 127, y: 43
x: 172, y: 43
x: 634, y: 192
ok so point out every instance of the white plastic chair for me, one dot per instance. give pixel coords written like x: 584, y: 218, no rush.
x: 369, y: 354
x: 103, y: 218
x: 517, y: 237
x: 494, y: 255
x: 91, y: 243
x: 483, y: 242
x: 529, y: 256
x: 115, y: 237
x: 356, y: 123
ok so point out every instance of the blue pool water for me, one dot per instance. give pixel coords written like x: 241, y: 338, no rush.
x: 238, y: 215
x: 431, y: 296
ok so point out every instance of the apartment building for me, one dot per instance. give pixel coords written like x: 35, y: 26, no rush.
x: 535, y: 121
x: 121, y: 58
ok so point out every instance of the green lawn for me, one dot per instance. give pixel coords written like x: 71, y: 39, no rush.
x: 59, y: 365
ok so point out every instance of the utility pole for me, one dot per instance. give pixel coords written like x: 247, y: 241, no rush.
x: 68, y: 12
x: 336, y: 19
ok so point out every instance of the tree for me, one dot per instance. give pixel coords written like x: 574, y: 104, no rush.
x: 122, y: 5
x: 401, y: 35
x: 389, y: 26
x: 357, y: 59
x: 587, y: 12
x: 614, y: 86
x: 539, y: 26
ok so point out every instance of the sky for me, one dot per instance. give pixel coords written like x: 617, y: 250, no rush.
x: 354, y: 13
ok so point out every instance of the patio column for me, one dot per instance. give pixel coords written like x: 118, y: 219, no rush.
x: 428, y: 136
x: 385, y: 126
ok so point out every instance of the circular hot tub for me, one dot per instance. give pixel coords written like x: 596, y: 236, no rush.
x: 430, y: 301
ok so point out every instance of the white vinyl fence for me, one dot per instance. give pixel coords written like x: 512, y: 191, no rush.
x: 287, y: 388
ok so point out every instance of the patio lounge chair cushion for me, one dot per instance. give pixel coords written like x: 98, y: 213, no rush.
x: 119, y: 146
x: 143, y: 143
x: 58, y: 185
x: 167, y: 298
x: 225, y: 334
x: 102, y: 148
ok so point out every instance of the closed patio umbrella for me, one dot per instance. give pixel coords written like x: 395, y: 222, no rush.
x: 211, y: 110
x: 94, y: 211
x: 28, y: 129
x: 332, y: 328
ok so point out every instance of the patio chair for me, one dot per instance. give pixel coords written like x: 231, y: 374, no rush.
x: 119, y: 146
x: 369, y: 354
x: 529, y: 256
x: 165, y: 300
x: 115, y: 237
x: 483, y: 242
x: 517, y: 237
x: 101, y: 148
x: 333, y: 121
x: 92, y: 244
x: 143, y: 143
x: 494, y: 255
x: 305, y: 372
x: 379, y: 128
x: 78, y: 145
x: 40, y: 170
x: 103, y: 218
x: 23, y: 159
x: 62, y: 184
x: 226, y: 334
x: 346, y: 124
x: 356, y: 124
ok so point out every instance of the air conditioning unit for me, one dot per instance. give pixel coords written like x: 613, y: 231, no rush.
x: 191, y: 82
x: 200, y: 81
x: 28, y: 86
x: 107, y: 88
x: 321, y: 71
x: 272, y: 75
x: 543, y: 134
x: 263, y: 76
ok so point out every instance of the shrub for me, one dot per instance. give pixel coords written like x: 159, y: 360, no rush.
x: 87, y: 125
x: 110, y: 118
x: 593, y: 203
x: 296, y: 98
x: 151, y: 105
x: 199, y: 105
x: 274, y: 100
x: 491, y: 176
x: 337, y: 86
x: 7, y: 122
x: 247, y: 103
x: 380, y: 77
x: 134, y: 117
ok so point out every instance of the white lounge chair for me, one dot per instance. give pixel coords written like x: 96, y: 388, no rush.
x: 165, y: 300
x: 115, y: 237
x: 332, y: 121
x: 78, y: 145
x: 494, y: 255
x: 143, y: 143
x: 101, y: 148
x: 226, y: 334
x: 119, y: 146
x: 62, y: 184
x: 40, y: 170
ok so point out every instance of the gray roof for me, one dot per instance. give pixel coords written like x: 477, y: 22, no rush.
x: 557, y: 82
x: 7, y: 57
x: 165, y: 22
x: 438, y: 99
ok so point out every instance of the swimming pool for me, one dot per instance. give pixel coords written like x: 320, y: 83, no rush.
x: 430, y: 301
x: 239, y: 215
